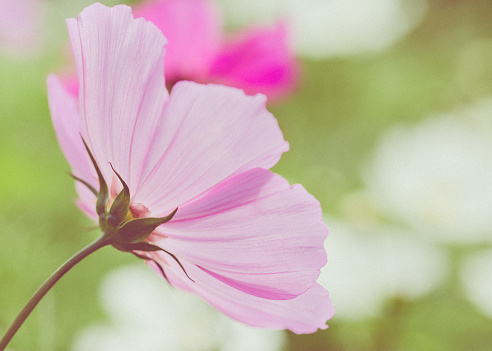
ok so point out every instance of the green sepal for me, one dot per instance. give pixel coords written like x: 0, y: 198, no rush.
x: 121, y: 204
x: 141, y: 246
x: 159, y: 266
x: 145, y: 246
x: 137, y: 230
x: 102, y: 195
x: 156, y: 263
x: 179, y: 263
x: 90, y: 187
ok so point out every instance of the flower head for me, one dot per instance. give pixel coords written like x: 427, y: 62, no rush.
x: 257, y: 60
x: 182, y: 179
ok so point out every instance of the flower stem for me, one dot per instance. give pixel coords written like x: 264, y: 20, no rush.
x: 47, y: 285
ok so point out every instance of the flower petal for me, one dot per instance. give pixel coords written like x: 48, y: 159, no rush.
x: 193, y: 29
x: 122, y: 92
x: 303, y: 314
x: 258, y: 60
x: 68, y: 128
x: 208, y: 133
x: 253, y: 232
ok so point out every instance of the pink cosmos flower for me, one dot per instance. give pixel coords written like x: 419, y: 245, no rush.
x: 241, y: 237
x: 257, y: 60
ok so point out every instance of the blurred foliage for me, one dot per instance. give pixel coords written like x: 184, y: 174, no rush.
x: 331, y: 122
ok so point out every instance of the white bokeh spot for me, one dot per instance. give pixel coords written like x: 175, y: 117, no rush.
x: 324, y: 28
x: 436, y: 176
x: 366, y: 267
x: 476, y: 281
x: 147, y: 314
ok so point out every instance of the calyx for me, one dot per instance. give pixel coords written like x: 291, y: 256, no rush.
x: 125, y: 235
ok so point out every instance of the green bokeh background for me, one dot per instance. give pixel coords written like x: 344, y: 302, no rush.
x: 332, y: 122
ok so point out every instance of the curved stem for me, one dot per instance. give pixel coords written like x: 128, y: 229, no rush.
x: 47, y: 285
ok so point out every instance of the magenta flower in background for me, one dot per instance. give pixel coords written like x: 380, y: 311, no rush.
x: 242, y: 237
x: 257, y: 60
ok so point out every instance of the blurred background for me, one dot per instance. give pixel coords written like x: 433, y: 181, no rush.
x: 390, y: 127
